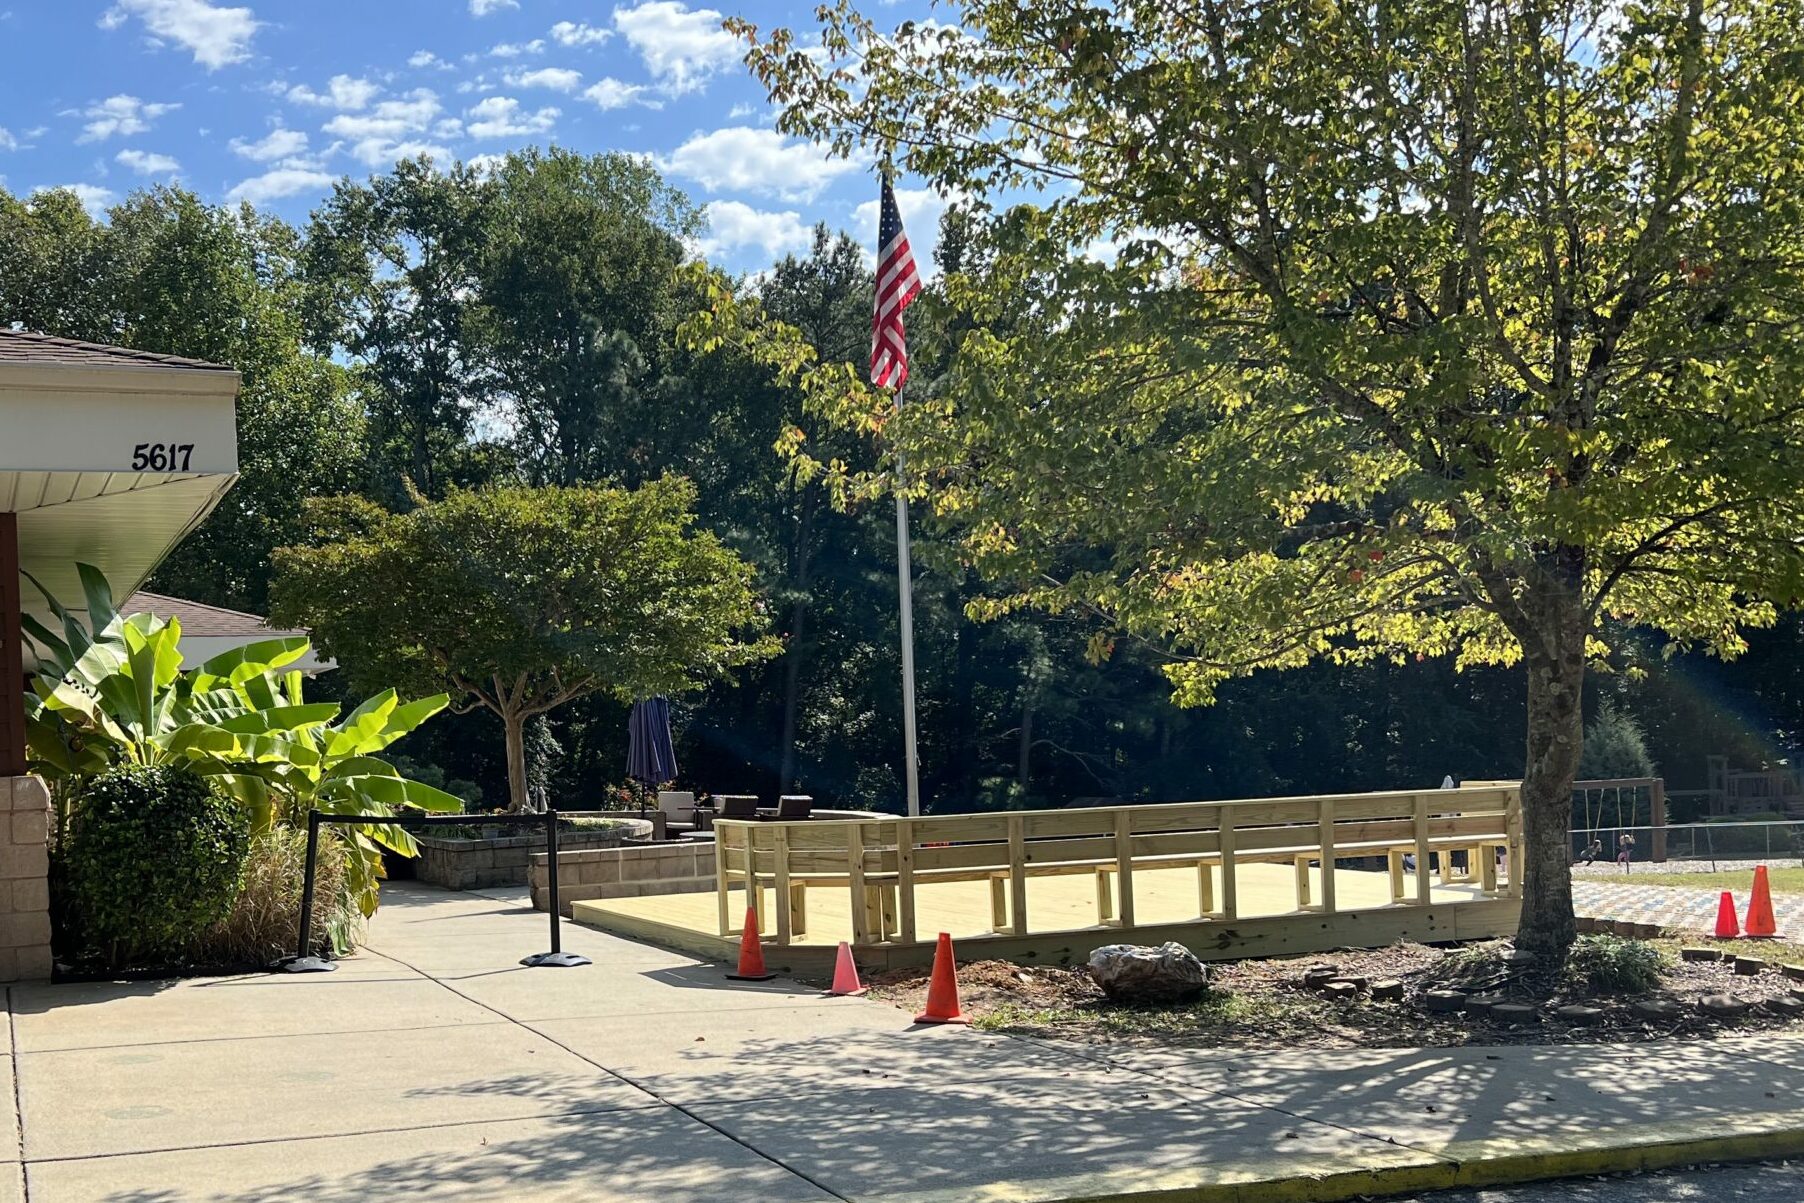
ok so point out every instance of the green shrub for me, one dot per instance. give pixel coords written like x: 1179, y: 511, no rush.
x: 150, y: 859
x: 1612, y: 965
x: 265, y: 919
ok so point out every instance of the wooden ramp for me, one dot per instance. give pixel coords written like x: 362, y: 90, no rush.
x: 1268, y: 922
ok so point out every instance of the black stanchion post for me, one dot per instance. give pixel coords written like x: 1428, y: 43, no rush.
x: 557, y: 957
x: 303, y: 961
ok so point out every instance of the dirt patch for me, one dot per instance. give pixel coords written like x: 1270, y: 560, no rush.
x: 1265, y: 1002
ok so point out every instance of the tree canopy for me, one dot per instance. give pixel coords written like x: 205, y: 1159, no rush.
x: 1350, y: 331
x: 521, y: 600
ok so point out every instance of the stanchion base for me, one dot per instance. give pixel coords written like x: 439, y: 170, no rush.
x: 305, y: 965
x: 555, y: 960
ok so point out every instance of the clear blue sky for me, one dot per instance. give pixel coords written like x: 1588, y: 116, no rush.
x: 270, y: 101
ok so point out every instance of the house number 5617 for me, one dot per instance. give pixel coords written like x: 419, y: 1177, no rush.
x: 162, y: 457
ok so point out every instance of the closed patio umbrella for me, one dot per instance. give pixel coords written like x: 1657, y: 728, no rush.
x: 650, y: 753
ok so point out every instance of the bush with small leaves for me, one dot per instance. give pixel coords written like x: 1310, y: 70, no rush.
x: 151, y: 858
x: 1612, y: 965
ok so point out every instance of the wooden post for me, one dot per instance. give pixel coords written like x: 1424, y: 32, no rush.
x: 905, y: 879
x: 1017, y: 874
x: 1205, y: 890
x: 1230, y: 902
x: 1105, y: 896
x: 780, y: 837
x: 861, y: 910
x: 1396, y: 859
x: 1424, y: 883
x: 754, y: 892
x: 12, y: 653
x: 722, y: 879
x: 1124, y: 866
x: 1327, y: 839
x: 1657, y: 816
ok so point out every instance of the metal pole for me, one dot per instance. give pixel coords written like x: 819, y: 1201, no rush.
x: 906, y: 589
x: 557, y: 905
x: 557, y: 957
x: 303, y: 960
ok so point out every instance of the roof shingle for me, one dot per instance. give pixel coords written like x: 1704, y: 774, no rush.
x: 25, y: 347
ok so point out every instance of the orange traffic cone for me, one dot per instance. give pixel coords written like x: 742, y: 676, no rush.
x: 942, y: 988
x: 845, y: 975
x: 1760, y: 924
x: 1726, y: 927
x: 751, y: 953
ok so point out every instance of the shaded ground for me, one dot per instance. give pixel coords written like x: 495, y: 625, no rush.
x: 1254, y: 1004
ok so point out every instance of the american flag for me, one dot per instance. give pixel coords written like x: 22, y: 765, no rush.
x: 897, y: 284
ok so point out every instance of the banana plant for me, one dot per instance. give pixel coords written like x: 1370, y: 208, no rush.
x: 111, y: 691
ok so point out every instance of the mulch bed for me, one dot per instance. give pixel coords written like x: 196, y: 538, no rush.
x: 1265, y: 1003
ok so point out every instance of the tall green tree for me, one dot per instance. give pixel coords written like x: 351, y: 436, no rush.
x: 393, y: 269
x: 518, y: 600
x: 576, y: 306
x: 1424, y: 329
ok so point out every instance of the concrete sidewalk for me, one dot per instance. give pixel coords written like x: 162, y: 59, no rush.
x: 432, y: 1067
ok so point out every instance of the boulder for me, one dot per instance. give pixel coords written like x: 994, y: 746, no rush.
x: 1135, y: 973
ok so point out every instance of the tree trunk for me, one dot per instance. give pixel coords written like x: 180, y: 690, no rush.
x: 1024, y: 750
x: 792, y: 693
x: 1556, y: 679
x: 517, y: 799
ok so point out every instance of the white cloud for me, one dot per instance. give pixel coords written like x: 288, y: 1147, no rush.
x: 425, y: 58
x: 146, y: 162
x: 516, y: 49
x: 409, y: 114
x: 342, y: 93
x: 734, y: 226
x: 94, y: 199
x: 119, y: 115
x: 681, y: 46
x: 740, y: 111
x: 215, y: 36
x: 612, y: 94
x: 7, y: 141
x: 485, y: 164
x: 482, y: 8
x: 386, y: 152
x: 557, y: 79
x: 762, y: 161
x: 570, y: 33
x: 921, y: 209
x: 501, y: 117
x: 277, y: 144
x: 277, y: 183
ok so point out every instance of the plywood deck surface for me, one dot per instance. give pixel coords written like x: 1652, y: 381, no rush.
x: 1161, y: 897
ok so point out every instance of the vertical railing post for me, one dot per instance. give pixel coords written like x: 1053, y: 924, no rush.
x: 1017, y: 874
x: 1327, y: 842
x: 1424, y: 883
x: 1230, y: 895
x: 723, y: 881
x: 905, y: 879
x: 1124, y: 866
x: 861, y: 920
x: 780, y: 880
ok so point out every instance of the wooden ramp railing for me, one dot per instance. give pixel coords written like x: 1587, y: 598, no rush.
x: 881, y: 863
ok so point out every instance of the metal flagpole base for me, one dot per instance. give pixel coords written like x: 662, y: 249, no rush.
x: 306, y: 965
x: 555, y: 960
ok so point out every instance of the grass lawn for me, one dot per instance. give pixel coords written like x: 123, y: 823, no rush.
x: 1783, y: 880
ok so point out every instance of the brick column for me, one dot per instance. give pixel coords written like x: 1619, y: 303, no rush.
x: 24, y: 880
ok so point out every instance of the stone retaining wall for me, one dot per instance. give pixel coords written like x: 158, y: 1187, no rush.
x: 685, y: 867
x: 502, y: 861
x: 24, y: 880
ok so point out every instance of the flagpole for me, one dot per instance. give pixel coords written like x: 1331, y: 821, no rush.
x: 905, y: 586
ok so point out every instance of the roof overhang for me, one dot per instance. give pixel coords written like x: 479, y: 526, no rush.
x: 86, y: 463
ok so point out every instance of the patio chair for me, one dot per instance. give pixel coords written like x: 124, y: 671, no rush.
x: 678, y: 809
x: 737, y: 806
x: 794, y: 808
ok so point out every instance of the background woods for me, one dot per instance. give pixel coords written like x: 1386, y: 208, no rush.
x: 433, y: 329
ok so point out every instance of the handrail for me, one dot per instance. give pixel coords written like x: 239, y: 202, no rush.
x: 880, y: 861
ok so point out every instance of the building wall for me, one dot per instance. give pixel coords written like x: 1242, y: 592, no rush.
x: 24, y: 880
